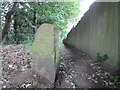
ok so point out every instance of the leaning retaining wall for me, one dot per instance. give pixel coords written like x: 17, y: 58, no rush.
x: 97, y: 32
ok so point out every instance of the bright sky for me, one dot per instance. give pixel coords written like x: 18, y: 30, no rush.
x: 84, y: 6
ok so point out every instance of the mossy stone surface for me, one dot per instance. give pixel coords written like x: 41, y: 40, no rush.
x: 45, y: 51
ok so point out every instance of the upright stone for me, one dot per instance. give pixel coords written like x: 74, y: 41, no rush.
x: 45, y: 52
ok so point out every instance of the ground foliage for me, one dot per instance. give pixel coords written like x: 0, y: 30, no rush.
x: 16, y: 59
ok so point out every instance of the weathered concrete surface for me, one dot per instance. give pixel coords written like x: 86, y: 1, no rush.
x: 45, y: 52
x: 0, y: 27
x: 98, y: 32
x: 119, y: 33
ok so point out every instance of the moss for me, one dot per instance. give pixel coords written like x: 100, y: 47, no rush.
x: 45, y: 51
x: 43, y: 44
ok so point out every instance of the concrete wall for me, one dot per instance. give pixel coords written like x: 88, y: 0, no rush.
x: 97, y: 32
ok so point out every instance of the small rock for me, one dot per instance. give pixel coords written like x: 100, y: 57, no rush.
x: 23, y: 86
x: 98, y: 74
x: 73, y: 71
x: 1, y: 82
x: 90, y: 77
x: 101, y: 77
x: 28, y: 85
x: 70, y: 76
x: 67, y: 81
x: 72, y: 83
x: 93, y: 75
x: 91, y: 64
x: 106, y: 83
x: 10, y: 66
x: 4, y: 86
x: 34, y: 75
x: 95, y: 81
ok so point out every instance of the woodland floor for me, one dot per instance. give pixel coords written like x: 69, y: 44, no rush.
x: 77, y: 70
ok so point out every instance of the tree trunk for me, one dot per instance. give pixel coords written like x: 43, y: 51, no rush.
x: 8, y: 18
x: 15, y: 28
x: 35, y: 21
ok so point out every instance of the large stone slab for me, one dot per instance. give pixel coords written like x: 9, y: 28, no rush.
x: 45, y: 52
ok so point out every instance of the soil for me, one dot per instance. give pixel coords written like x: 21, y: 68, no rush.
x: 76, y: 70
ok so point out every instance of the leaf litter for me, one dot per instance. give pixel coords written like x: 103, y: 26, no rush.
x: 15, y: 59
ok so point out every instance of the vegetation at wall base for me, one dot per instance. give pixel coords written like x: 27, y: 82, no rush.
x: 100, y: 58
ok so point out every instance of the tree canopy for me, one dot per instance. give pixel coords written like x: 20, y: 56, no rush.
x: 28, y: 16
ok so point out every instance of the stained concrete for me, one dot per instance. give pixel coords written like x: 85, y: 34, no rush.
x: 97, y: 32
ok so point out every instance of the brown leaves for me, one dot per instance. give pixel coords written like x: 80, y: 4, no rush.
x: 14, y: 59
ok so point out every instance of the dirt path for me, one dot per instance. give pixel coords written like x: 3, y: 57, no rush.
x: 78, y: 71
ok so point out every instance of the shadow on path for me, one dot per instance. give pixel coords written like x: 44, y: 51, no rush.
x: 77, y: 70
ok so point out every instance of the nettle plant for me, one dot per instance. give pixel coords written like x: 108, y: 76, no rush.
x: 100, y: 58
